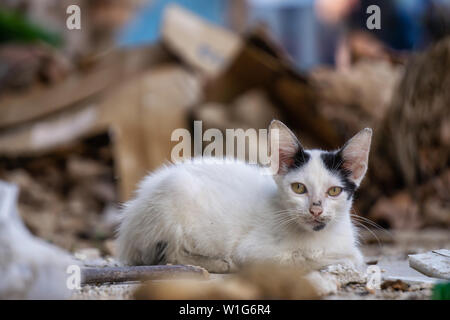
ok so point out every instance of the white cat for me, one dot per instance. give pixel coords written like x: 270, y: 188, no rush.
x: 223, y: 215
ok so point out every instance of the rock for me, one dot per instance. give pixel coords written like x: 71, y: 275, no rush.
x: 400, y: 270
x: 90, y: 257
x: 87, y: 254
x: 397, y: 285
x: 345, y: 274
x: 330, y: 279
x: 434, y: 264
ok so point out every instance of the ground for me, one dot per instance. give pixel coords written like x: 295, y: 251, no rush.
x: 390, y: 252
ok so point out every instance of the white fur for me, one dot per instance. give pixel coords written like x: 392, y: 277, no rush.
x: 222, y: 215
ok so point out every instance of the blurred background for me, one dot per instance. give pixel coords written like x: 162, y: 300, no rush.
x: 85, y: 114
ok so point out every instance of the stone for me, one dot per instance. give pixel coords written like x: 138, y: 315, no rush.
x: 399, y: 269
x: 30, y: 268
x: 435, y: 263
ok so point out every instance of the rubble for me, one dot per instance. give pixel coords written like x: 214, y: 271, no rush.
x: 434, y: 264
x: 253, y: 282
x: 30, y: 267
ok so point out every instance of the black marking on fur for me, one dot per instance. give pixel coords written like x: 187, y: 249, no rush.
x: 160, y: 252
x: 319, y: 227
x: 300, y: 159
x: 334, y: 162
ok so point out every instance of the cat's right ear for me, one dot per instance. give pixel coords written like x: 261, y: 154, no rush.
x: 288, y: 145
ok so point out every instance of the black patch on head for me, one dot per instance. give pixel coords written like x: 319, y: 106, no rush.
x: 334, y: 162
x: 160, y: 252
x: 300, y: 158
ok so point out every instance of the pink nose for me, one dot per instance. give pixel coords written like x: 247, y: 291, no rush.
x: 315, y: 211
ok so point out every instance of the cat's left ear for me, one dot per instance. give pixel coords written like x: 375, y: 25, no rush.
x: 355, y: 155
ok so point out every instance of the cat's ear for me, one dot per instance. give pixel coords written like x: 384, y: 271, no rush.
x: 288, y: 145
x: 355, y: 155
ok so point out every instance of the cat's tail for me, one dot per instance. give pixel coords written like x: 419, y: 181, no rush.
x: 139, y: 239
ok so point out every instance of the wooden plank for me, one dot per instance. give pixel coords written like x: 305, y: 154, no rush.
x: 129, y: 148
x: 42, y: 101
x: 53, y: 131
x: 298, y: 100
x: 141, y: 273
x: 167, y: 96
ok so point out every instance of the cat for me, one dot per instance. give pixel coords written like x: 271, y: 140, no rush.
x: 222, y: 215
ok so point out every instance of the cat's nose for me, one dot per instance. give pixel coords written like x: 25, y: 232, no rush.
x: 315, y: 211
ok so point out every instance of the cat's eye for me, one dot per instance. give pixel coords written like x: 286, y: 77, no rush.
x: 298, y: 188
x: 334, y: 191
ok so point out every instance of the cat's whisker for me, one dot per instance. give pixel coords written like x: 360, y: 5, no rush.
x: 370, y: 231
x: 280, y: 211
x: 286, y: 219
x: 374, y: 230
x: 286, y: 222
x: 371, y: 223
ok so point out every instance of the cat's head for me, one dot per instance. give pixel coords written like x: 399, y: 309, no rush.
x: 316, y: 187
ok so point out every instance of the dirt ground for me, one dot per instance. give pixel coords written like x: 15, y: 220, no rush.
x: 389, y: 251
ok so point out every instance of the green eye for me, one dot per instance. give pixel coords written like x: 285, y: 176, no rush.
x: 298, y: 188
x: 334, y: 191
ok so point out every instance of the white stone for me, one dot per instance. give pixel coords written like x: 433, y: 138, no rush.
x: 400, y: 270
x: 433, y: 264
x: 328, y: 280
x: 30, y: 268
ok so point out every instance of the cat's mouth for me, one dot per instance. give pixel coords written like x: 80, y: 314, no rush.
x: 317, y: 224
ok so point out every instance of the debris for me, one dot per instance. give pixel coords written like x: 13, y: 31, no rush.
x: 416, y: 122
x: 87, y: 254
x: 365, y: 89
x: 363, y: 45
x: 30, y: 267
x: 119, y: 291
x: 397, y: 285
x: 399, y: 211
x: 399, y: 269
x: 254, y: 282
x: 344, y: 274
x: 26, y: 65
x: 41, y: 119
x: 433, y: 264
x: 142, y: 132
x: 202, y: 45
x: 61, y: 202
